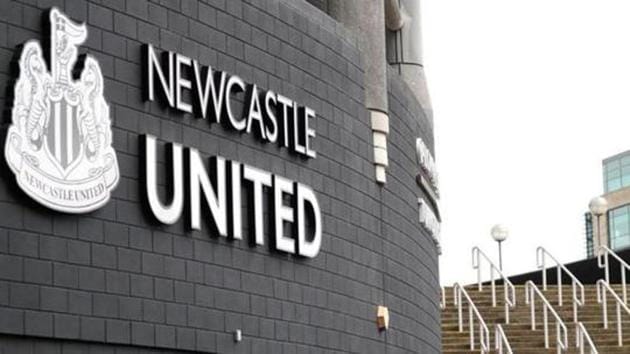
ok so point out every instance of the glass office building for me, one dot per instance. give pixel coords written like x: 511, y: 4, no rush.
x: 617, y: 172
x: 614, y: 225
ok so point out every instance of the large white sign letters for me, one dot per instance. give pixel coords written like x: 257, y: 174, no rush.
x: 211, y: 190
x: 59, y: 142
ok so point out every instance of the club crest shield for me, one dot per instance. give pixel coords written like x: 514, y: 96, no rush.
x: 59, y: 143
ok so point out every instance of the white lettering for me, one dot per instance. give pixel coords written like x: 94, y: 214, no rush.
x: 258, y: 178
x: 282, y: 214
x: 166, y: 214
x: 306, y: 248
x: 254, y: 113
x: 215, y: 196
x: 240, y: 84
x: 154, y: 67
x: 180, y: 83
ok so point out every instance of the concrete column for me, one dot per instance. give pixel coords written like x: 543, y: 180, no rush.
x: 367, y: 19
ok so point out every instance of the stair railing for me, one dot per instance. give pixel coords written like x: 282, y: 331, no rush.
x: 509, y: 292
x: 602, y: 288
x: 541, y: 256
x: 459, y: 295
x: 500, y: 340
x: 561, y: 330
x: 602, y: 262
x: 582, y: 338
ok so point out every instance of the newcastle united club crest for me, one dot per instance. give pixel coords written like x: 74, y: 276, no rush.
x: 59, y: 142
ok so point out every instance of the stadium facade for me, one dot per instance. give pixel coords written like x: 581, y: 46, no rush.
x: 216, y: 176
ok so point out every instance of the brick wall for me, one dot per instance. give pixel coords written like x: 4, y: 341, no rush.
x: 114, y: 280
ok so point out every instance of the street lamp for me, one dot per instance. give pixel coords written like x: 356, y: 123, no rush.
x: 499, y: 233
x: 598, y: 207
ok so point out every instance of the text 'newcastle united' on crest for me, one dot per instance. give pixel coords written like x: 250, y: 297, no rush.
x: 59, y: 142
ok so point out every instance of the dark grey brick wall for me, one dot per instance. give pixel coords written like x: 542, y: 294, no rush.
x: 113, y: 281
x: 411, y: 264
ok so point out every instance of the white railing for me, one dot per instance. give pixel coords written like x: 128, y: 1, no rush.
x: 500, y: 341
x: 484, y: 334
x: 602, y: 288
x: 541, y: 257
x: 603, y: 254
x: 582, y: 338
x: 509, y: 292
x: 561, y: 330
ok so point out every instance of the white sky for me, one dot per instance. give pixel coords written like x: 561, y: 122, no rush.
x: 529, y: 97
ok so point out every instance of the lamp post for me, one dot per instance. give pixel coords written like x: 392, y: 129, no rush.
x: 598, y: 207
x: 499, y: 233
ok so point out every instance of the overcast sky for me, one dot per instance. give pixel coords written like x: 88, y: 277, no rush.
x: 528, y: 97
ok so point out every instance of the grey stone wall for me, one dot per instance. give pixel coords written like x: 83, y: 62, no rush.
x: 115, y: 281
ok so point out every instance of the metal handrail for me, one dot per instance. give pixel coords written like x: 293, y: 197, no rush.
x: 541, y: 255
x: 561, y: 329
x: 605, y: 252
x: 582, y: 337
x: 501, y: 340
x: 484, y: 334
x: 601, y: 299
x: 509, y: 297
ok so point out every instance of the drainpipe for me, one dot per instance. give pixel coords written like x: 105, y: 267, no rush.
x: 366, y: 18
x: 404, y: 47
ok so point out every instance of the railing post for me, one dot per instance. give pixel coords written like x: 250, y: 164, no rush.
x: 479, y: 278
x: 494, y: 291
x: 472, y: 328
x: 574, y: 301
x: 559, y: 339
x: 544, y: 273
x: 606, y: 272
x: 578, y: 339
x: 477, y: 264
x: 546, y: 326
x: 582, y: 339
x: 459, y: 309
x: 498, y: 343
x: 605, y: 308
x: 623, y: 283
x: 481, y: 338
x: 559, y: 275
x: 532, y: 307
x: 507, y: 313
x: 619, y: 324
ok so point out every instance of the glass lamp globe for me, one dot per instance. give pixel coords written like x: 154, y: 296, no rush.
x: 598, y: 205
x: 499, y: 232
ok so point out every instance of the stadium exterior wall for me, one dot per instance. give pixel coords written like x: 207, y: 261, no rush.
x: 114, y: 280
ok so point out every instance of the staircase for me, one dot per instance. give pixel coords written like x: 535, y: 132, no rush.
x: 524, y: 340
x: 518, y: 332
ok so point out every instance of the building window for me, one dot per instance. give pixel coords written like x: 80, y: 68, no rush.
x: 619, y: 227
x: 617, y: 173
